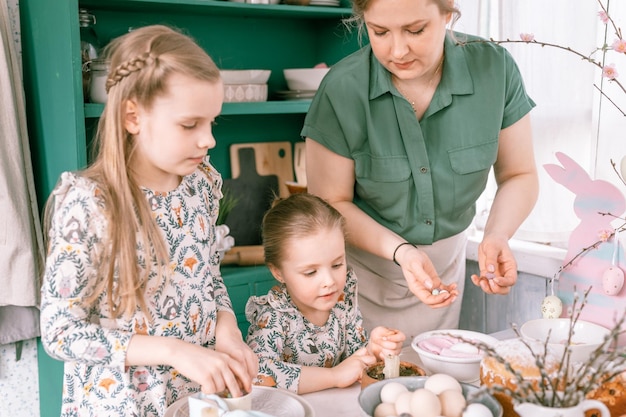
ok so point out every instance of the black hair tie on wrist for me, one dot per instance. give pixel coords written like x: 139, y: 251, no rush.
x: 396, y: 251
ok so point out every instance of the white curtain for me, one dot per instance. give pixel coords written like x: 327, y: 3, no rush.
x: 20, y: 233
x: 566, y: 116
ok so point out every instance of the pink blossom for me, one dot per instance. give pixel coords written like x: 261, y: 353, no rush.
x: 527, y: 37
x: 605, y: 234
x: 619, y: 45
x: 603, y: 16
x: 610, y: 72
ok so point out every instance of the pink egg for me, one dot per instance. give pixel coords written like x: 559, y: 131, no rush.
x: 612, y: 280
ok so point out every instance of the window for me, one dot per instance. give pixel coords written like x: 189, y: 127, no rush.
x: 571, y: 116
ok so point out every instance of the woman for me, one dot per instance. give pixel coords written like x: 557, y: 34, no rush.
x: 400, y: 138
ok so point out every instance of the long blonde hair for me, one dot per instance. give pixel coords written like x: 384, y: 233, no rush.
x: 141, y: 62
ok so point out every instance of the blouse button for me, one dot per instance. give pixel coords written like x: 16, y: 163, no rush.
x: 423, y: 170
x: 428, y: 222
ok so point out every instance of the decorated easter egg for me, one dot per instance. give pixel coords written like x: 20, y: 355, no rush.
x: 551, y: 307
x: 612, y: 280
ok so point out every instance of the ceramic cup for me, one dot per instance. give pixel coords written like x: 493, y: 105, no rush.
x: 239, y: 403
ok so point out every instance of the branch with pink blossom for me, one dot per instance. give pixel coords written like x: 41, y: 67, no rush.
x: 609, y: 71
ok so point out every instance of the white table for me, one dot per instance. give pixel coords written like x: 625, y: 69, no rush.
x: 344, y: 402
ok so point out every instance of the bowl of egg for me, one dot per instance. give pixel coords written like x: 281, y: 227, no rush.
x: 453, y: 351
x: 427, y: 396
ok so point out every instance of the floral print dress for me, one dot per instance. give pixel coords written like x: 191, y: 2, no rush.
x: 284, y: 340
x: 91, y: 343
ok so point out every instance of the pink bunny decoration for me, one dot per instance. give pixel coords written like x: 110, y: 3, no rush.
x: 592, y: 198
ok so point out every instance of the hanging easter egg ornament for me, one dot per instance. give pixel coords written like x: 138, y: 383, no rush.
x: 613, y: 278
x: 551, y: 306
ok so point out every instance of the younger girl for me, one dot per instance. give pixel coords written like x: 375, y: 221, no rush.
x: 132, y: 298
x: 308, y: 332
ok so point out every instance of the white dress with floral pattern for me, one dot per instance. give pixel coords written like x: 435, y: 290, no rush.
x: 284, y: 340
x: 91, y: 343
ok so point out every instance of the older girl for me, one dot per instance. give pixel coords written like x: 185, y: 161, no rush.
x: 132, y: 296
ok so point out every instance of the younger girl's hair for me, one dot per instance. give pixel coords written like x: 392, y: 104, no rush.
x: 141, y: 62
x: 360, y: 6
x: 299, y: 215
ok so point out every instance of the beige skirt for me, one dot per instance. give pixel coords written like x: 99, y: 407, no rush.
x: 384, y: 296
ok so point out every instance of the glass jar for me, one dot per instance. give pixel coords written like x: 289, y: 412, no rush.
x: 89, y: 45
x: 99, y: 75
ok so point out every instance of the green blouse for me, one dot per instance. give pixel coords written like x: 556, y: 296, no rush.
x: 420, y: 179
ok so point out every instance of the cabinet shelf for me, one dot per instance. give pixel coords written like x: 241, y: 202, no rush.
x: 93, y: 110
x: 219, y: 7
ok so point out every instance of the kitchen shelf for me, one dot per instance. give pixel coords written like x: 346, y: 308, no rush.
x: 220, y: 7
x: 94, y: 110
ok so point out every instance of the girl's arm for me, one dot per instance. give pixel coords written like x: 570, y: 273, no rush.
x: 228, y: 339
x: 214, y: 371
x: 348, y: 372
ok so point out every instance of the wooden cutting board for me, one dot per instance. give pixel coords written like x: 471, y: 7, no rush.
x: 271, y: 158
x: 254, y: 194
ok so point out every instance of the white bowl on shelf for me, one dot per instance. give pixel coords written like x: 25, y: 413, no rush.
x: 245, y: 76
x: 306, y: 79
x: 244, y: 93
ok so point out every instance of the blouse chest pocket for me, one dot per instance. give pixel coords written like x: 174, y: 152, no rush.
x: 384, y: 182
x: 471, y: 165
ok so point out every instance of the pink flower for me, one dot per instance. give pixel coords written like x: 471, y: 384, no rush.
x: 619, y: 45
x: 610, y: 72
x: 527, y: 37
x: 605, y: 234
x: 604, y: 17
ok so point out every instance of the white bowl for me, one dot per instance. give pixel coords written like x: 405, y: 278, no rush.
x: 369, y: 397
x: 251, y: 76
x: 241, y: 93
x: 586, y: 337
x: 464, y: 369
x: 304, y: 79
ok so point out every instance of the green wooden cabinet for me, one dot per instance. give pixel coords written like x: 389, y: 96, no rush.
x: 236, y: 35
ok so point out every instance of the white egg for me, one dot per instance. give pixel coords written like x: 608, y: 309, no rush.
x: 391, y: 390
x: 452, y: 403
x: 477, y: 410
x: 425, y: 403
x: 438, y: 383
x: 403, y: 403
x: 385, y: 410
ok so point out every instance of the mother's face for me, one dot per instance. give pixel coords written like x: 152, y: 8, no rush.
x: 406, y: 36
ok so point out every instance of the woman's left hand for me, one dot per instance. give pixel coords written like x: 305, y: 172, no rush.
x: 498, y: 268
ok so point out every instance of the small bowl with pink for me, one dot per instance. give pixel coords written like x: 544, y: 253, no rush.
x: 452, y: 352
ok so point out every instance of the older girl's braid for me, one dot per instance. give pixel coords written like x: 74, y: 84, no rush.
x: 128, y: 67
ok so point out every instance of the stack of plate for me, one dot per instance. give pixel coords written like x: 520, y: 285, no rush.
x: 333, y: 3
x: 295, y: 94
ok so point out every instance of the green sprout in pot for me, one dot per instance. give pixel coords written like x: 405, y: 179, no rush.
x: 227, y: 204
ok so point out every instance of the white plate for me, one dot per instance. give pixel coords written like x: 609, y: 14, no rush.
x: 273, y: 401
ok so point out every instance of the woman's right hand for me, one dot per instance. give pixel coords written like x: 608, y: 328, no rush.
x: 422, y: 278
x: 214, y: 371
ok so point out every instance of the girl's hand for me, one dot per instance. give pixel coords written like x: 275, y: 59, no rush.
x: 498, y: 268
x: 214, y: 371
x: 385, y: 341
x: 241, y: 352
x: 422, y: 278
x: 350, y: 370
